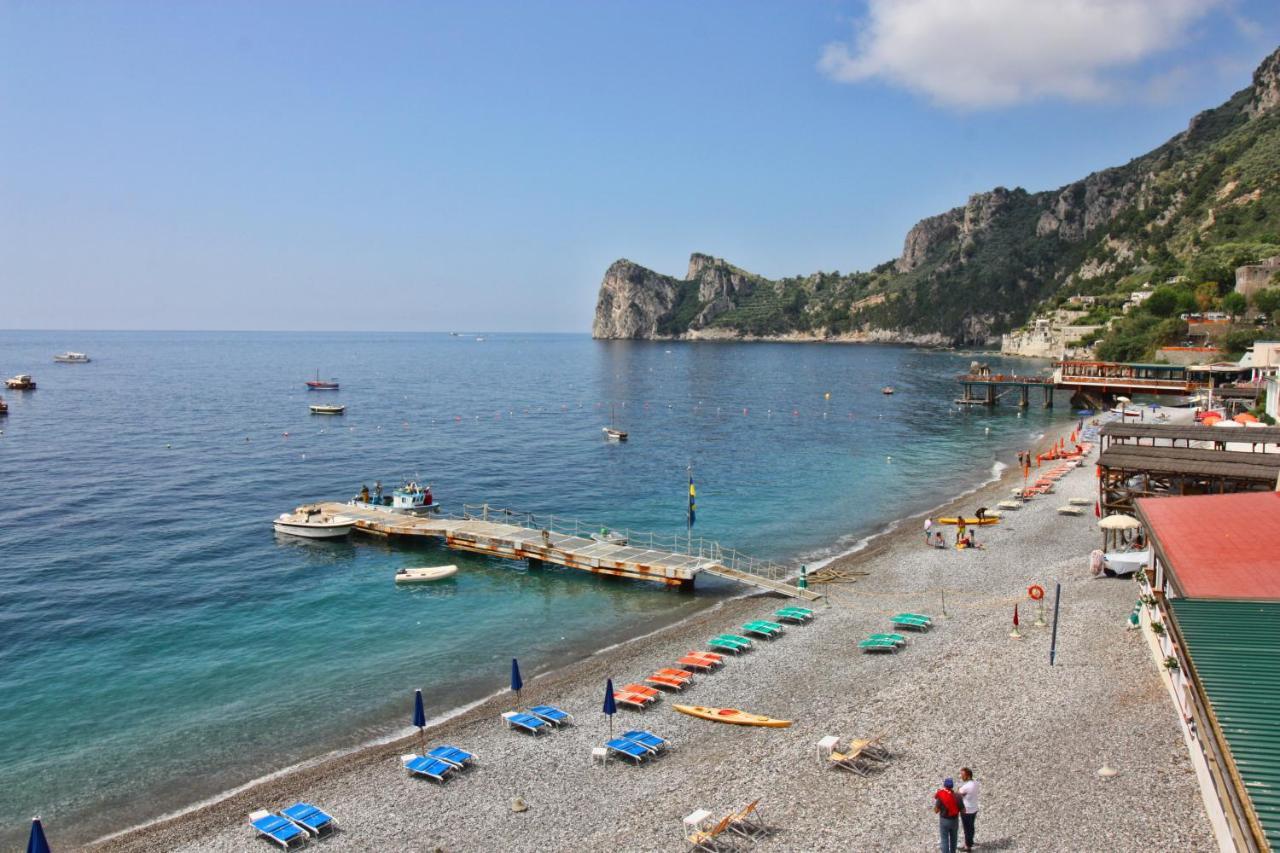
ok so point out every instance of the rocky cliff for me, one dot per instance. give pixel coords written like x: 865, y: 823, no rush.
x: 966, y: 275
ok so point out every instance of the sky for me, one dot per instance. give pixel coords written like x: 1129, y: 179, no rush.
x: 477, y: 166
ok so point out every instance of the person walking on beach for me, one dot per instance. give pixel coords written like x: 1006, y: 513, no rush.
x: 928, y: 523
x: 969, y: 801
x: 947, y: 806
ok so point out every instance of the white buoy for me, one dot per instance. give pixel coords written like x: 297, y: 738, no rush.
x: 888, y: 459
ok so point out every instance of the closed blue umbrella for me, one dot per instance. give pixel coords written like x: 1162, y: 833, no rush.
x: 516, y: 681
x: 610, y: 707
x: 37, y: 843
x: 420, y: 718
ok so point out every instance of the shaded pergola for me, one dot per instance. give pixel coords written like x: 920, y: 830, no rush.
x: 1129, y: 471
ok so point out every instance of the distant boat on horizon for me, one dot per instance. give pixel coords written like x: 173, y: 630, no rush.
x: 70, y: 357
x: 319, y: 384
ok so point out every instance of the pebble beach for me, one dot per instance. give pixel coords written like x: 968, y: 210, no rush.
x: 961, y: 694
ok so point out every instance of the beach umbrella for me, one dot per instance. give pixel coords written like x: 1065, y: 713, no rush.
x: 1119, y: 522
x: 1245, y: 418
x: 420, y: 718
x: 1122, y: 400
x: 610, y: 706
x: 516, y: 681
x: 37, y: 842
x: 1211, y: 419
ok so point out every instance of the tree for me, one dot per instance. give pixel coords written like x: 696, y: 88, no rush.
x: 1267, y: 301
x: 1206, y: 295
x: 1163, y: 302
x: 1234, y: 304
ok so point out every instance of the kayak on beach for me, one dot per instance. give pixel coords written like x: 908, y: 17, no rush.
x: 969, y: 522
x: 731, y: 715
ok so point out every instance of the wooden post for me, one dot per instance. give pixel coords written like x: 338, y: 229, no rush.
x: 991, y: 394
x: 1024, y: 400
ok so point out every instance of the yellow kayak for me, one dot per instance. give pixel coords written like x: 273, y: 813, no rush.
x: 969, y: 522
x: 731, y: 715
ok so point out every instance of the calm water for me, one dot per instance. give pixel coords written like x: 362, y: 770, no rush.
x: 151, y: 622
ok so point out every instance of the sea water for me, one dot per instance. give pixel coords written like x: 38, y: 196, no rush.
x: 159, y: 643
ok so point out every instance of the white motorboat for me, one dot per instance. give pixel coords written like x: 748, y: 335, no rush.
x: 328, y: 410
x: 409, y: 499
x: 69, y: 357
x: 311, y: 522
x: 425, y: 574
x: 1125, y: 562
x: 21, y: 382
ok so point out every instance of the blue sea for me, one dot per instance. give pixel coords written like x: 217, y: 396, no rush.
x: 159, y: 643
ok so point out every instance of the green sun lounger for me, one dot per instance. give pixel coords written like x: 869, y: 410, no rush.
x: 726, y: 645
x: 794, y: 614
x: 893, y: 638
x: 873, y: 645
x: 917, y: 616
x: 764, y: 629
x: 913, y: 624
x: 738, y: 638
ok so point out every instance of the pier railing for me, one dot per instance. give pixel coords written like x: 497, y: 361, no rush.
x: 689, y: 546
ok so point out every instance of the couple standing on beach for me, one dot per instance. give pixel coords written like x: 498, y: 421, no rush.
x: 956, y: 807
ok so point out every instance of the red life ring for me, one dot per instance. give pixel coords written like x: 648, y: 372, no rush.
x: 1035, y: 591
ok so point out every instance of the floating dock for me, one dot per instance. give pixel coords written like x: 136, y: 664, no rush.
x: 564, y: 542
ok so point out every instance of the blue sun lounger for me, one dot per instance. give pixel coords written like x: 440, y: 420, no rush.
x: 629, y: 749
x: 422, y: 765
x: 528, y: 722
x: 452, y: 755
x: 310, y: 818
x: 647, y: 739
x: 552, y: 714
x: 277, y: 829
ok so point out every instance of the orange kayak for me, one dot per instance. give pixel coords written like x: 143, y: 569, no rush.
x: 731, y: 715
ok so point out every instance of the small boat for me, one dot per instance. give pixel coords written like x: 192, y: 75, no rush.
x: 608, y: 537
x: 731, y: 715
x: 311, y: 522
x: 21, y: 382
x: 970, y: 522
x: 328, y: 410
x: 319, y: 384
x: 71, y: 358
x: 4, y: 407
x: 425, y: 574
x: 611, y: 432
x: 888, y: 389
x: 409, y: 499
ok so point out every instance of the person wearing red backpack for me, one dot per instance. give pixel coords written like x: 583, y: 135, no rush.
x: 946, y: 804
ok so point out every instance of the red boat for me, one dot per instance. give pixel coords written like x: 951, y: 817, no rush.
x: 321, y: 385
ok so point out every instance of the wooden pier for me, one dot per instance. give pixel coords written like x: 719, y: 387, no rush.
x: 674, y: 561
x: 992, y: 383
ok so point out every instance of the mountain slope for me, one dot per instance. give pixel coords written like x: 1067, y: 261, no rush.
x: 1204, y: 201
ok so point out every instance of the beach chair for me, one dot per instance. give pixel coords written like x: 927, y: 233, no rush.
x: 921, y: 616
x: 798, y: 615
x: 913, y: 624
x: 628, y: 749
x: 431, y: 768
x: 642, y: 690
x: 275, y: 828
x: 552, y: 715
x: 897, y: 638
x: 647, y: 739
x: 310, y: 819
x: 709, y: 839
x: 667, y: 681
x: 727, y: 645
x: 853, y: 760
x: 526, y: 722
x: 748, y: 822
x: 699, y: 663
x: 768, y: 630
x: 459, y: 758
x: 681, y: 674
x: 873, y: 748
x: 872, y: 645
x: 747, y: 641
x: 632, y: 700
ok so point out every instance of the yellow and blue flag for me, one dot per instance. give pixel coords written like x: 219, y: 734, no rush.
x: 693, y: 503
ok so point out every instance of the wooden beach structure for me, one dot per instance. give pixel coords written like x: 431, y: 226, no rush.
x: 555, y: 540
x: 1092, y: 383
x: 1130, y: 471
x: 1255, y: 439
x: 995, y: 385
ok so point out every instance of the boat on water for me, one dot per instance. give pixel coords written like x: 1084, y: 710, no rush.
x: 609, y: 537
x: 731, y: 715
x: 888, y: 389
x: 21, y: 382
x: 425, y: 574
x: 4, y: 407
x: 328, y: 410
x: 409, y: 499
x: 319, y: 384
x: 311, y: 522
x: 69, y: 357
x: 611, y: 432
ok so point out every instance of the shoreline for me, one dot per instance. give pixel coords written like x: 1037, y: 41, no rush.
x: 336, y: 760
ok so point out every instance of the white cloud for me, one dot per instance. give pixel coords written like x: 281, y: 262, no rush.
x: 990, y: 53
